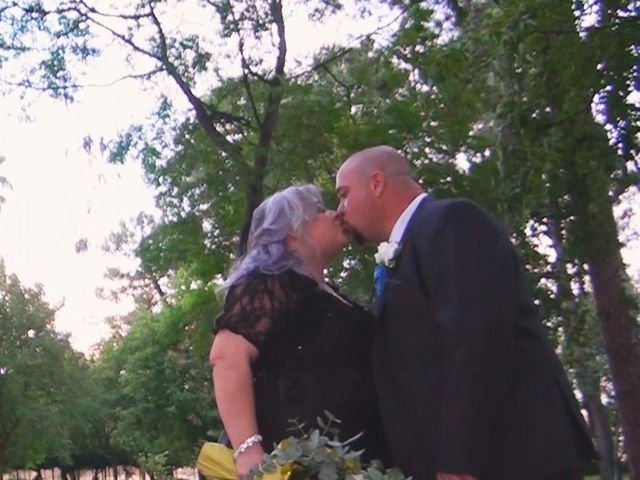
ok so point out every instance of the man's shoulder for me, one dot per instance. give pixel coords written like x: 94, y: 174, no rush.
x: 446, y: 206
x: 457, y: 213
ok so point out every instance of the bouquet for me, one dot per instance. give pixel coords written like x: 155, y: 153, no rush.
x: 315, y: 454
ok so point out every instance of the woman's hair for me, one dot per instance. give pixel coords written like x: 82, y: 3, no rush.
x: 281, y: 213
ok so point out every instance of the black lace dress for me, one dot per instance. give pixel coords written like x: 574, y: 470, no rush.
x: 314, y: 355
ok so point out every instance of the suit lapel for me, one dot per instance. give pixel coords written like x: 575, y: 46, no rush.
x: 379, y: 301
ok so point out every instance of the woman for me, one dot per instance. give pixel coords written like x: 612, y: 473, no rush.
x: 288, y: 345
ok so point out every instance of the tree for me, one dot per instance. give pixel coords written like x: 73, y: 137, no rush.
x: 492, y: 100
x: 530, y: 116
x: 146, y: 31
x: 163, y: 399
x: 36, y: 382
x: 582, y: 345
x: 24, y: 66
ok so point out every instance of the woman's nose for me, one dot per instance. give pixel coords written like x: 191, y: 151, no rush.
x: 338, y: 216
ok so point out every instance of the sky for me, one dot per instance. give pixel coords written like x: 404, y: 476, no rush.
x: 61, y: 194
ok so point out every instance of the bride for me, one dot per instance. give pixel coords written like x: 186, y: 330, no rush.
x: 288, y: 345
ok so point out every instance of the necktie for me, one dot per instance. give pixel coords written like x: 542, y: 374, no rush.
x: 379, y: 278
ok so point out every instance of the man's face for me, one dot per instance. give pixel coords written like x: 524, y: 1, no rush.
x: 356, y: 203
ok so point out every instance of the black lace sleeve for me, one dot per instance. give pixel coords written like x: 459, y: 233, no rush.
x: 257, y: 306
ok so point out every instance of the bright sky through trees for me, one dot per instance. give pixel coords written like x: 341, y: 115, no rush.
x: 60, y: 194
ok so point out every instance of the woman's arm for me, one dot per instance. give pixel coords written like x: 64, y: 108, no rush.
x: 231, y: 357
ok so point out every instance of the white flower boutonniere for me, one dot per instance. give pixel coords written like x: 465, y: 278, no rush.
x: 387, y: 254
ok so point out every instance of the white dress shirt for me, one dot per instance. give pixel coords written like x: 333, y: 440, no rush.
x: 403, y: 220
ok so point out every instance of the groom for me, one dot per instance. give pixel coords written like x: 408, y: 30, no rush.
x: 468, y: 385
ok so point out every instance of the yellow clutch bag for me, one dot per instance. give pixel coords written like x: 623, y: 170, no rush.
x: 216, y: 462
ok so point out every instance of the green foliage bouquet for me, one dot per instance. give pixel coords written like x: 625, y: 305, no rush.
x: 319, y: 454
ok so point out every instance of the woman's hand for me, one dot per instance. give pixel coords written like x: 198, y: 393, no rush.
x: 248, y: 459
x: 450, y: 476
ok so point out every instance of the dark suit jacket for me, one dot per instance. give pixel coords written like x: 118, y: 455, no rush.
x: 467, y: 380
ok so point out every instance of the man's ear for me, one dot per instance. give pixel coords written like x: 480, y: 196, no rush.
x: 377, y: 182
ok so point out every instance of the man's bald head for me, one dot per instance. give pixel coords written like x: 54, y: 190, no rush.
x: 374, y: 186
x: 383, y: 158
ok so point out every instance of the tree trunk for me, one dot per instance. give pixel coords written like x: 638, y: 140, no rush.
x: 622, y: 342
x: 600, y: 427
x: 617, y: 312
x: 581, y: 344
x: 255, y: 188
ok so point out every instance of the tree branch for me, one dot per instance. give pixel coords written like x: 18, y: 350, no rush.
x: 48, y: 88
x: 122, y: 16
x: 255, y: 190
x: 245, y: 69
x: 122, y: 38
x: 202, y: 114
x: 323, y: 63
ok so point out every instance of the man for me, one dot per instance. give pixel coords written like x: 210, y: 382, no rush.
x: 469, y: 387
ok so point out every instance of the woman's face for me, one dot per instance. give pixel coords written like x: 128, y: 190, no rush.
x: 327, y: 233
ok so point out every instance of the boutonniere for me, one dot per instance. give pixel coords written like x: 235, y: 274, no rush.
x: 387, y: 254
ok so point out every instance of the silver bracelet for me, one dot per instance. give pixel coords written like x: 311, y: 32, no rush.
x: 246, y: 445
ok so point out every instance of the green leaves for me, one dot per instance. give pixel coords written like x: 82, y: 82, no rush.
x: 40, y: 380
x: 26, y: 26
x: 163, y: 393
x: 319, y: 453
